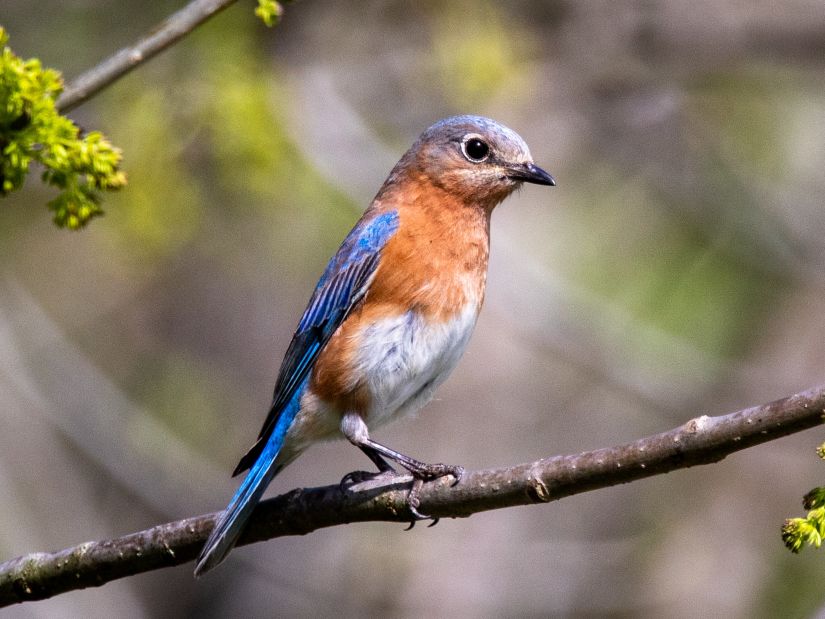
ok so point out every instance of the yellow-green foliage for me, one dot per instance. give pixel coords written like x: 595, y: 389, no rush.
x: 796, y: 532
x: 269, y: 11
x: 32, y: 130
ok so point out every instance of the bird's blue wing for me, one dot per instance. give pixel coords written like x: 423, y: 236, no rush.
x: 343, y: 284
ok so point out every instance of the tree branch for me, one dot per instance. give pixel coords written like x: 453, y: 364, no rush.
x: 162, y: 36
x: 700, y: 441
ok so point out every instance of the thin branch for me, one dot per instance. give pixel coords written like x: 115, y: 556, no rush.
x: 700, y: 441
x: 162, y: 36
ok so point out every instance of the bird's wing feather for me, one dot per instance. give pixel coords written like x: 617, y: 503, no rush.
x: 343, y: 284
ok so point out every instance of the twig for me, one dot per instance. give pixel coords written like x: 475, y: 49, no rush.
x: 700, y: 441
x: 171, y: 30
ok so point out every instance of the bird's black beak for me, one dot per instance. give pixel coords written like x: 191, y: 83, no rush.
x: 530, y: 173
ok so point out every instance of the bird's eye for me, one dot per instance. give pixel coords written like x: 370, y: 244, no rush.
x: 475, y: 149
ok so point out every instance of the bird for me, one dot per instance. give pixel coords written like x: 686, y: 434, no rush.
x: 391, y: 314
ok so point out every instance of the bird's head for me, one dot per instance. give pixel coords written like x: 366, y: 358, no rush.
x: 473, y: 158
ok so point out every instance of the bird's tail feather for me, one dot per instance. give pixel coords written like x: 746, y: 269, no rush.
x: 233, y: 519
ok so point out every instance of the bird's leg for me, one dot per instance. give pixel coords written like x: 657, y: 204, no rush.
x: 419, y: 469
x: 383, y: 465
x: 356, y: 431
x: 356, y: 477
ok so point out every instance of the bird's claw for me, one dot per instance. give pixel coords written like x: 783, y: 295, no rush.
x: 435, y: 471
x: 413, y: 502
x: 429, y: 472
x: 421, y: 472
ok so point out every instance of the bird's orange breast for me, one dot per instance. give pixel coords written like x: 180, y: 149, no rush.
x: 437, y: 261
x: 434, y: 266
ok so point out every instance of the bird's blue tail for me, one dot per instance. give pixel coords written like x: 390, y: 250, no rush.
x: 232, y: 521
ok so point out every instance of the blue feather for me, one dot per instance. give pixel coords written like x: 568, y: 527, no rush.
x: 344, y: 283
x: 232, y: 521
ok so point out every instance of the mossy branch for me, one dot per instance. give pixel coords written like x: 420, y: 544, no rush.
x: 700, y: 441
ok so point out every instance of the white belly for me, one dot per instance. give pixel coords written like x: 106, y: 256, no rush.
x: 405, y: 358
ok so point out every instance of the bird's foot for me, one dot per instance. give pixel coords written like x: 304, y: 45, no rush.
x: 413, y: 502
x: 357, y: 477
x: 426, y: 472
x: 433, y: 471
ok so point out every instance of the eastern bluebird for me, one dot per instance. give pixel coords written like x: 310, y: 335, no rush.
x: 392, y: 313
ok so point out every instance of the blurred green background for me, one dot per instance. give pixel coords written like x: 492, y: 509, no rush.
x: 678, y: 269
